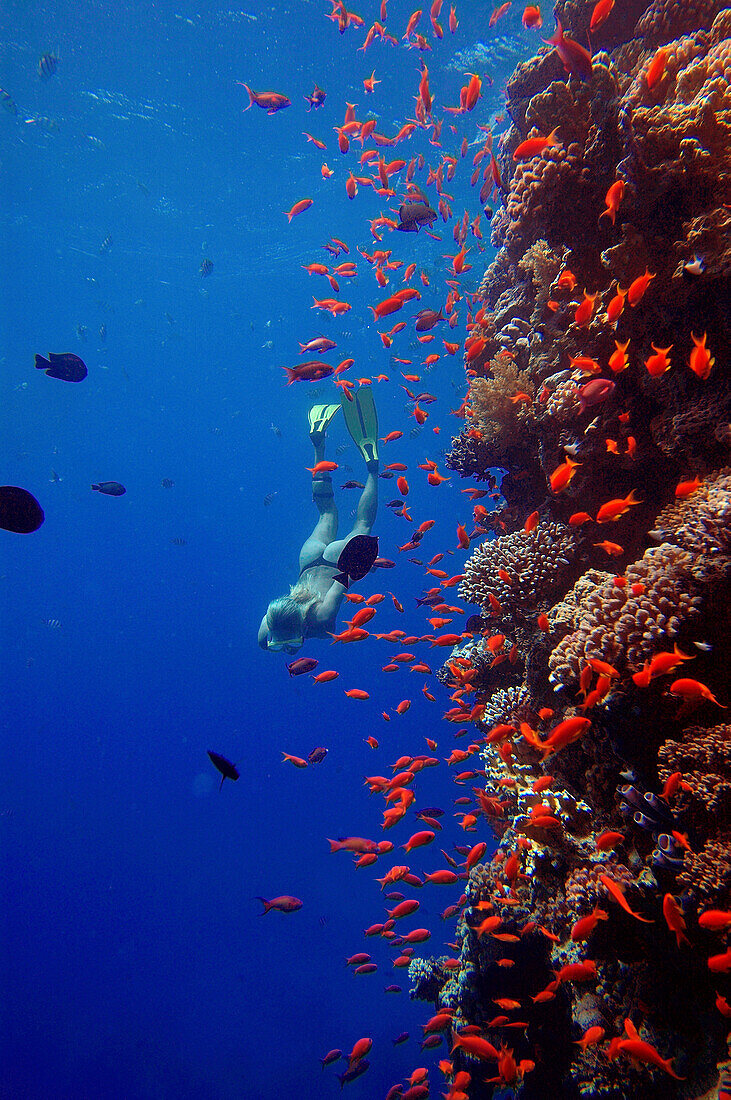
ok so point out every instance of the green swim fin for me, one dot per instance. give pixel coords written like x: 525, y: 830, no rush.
x: 361, y: 420
x: 319, y: 417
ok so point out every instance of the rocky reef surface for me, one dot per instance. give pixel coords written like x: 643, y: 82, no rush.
x: 598, y: 673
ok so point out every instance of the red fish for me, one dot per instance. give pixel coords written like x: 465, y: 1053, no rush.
x: 638, y: 287
x: 614, y: 195
x: 701, y: 360
x: 574, y: 57
x: 614, y: 509
x: 531, y: 147
x: 284, y: 904
x: 644, y: 1052
x: 563, y: 475
x: 298, y: 208
x: 600, y: 12
x: 312, y: 371
x: 271, y: 102
x: 656, y: 67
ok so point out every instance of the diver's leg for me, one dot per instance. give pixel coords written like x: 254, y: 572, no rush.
x: 326, y: 528
x: 368, y: 503
x: 365, y: 516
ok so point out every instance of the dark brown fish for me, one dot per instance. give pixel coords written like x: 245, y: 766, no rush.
x: 427, y: 318
x: 19, y: 510
x: 352, y: 485
x: 226, y: 768
x: 316, y: 98
x: 110, y: 488
x: 66, y: 366
x: 317, y: 755
x: 302, y: 665
x: 412, y: 215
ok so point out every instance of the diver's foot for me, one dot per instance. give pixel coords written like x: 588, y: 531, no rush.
x: 373, y: 467
x: 319, y: 418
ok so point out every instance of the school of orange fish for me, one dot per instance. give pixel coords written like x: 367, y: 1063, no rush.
x: 420, y: 193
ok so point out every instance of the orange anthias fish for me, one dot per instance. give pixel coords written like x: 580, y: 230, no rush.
x: 563, y: 474
x: 701, y: 360
x: 602, y: 10
x: 644, y: 1052
x: 613, y: 509
x: 613, y: 198
x: 271, y: 102
x: 298, y: 208
x: 531, y: 147
x: 693, y: 690
x: 674, y: 917
x: 618, y: 894
x: 658, y: 363
x: 684, y: 488
x: 656, y: 67
x: 638, y: 287
x: 585, y: 309
x: 612, y: 548
x: 531, y: 19
x: 619, y: 361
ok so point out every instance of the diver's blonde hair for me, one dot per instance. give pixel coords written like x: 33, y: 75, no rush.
x: 286, y: 615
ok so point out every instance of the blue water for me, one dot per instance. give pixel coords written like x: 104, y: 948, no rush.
x: 133, y: 959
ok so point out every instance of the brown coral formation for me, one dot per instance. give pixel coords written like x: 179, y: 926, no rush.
x: 493, y: 411
x: 615, y: 625
x: 667, y: 140
x: 535, y: 564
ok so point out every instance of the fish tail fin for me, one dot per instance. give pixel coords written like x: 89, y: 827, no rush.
x: 291, y: 375
x: 251, y: 94
x: 221, y: 783
x: 264, y: 902
x: 342, y: 578
x: 41, y: 363
x: 557, y: 38
x: 334, y: 845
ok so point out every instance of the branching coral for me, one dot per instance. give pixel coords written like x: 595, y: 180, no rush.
x: 536, y: 563
x: 623, y: 628
x: 704, y: 759
x: 494, y: 414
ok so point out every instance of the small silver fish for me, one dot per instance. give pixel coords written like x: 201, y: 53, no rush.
x: 694, y: 267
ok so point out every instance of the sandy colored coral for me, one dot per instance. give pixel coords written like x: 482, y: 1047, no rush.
x: 536, y: 564
x: 707, y: 874
x: 495, y: 416
x: 704, y: 758
x: 701, y: 524
x: 623, y: 628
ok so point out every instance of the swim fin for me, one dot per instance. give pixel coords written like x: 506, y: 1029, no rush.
x: 320, y: 416
x: 361, y: 420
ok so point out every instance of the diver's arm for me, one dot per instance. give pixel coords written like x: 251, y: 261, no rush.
x: 327, y: 609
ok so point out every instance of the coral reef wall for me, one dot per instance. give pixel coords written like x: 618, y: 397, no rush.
x: 599, y: 666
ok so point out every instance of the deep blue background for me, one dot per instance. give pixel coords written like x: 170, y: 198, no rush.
x: 133, y: 960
